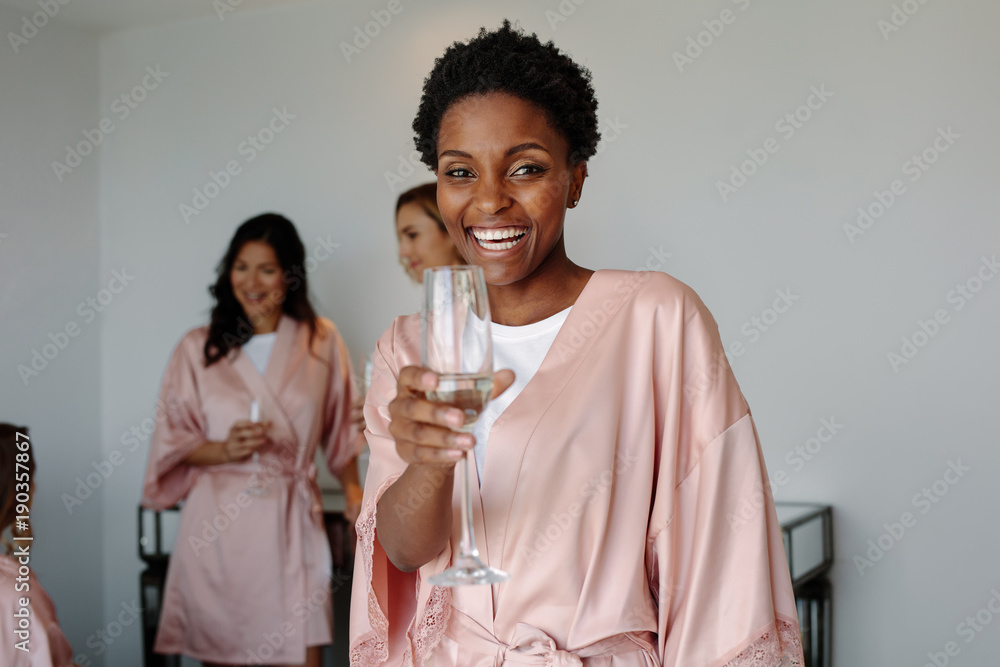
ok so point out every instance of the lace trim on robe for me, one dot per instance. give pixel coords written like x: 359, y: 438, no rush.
x: 373, y: 647
x: 433, y: 622
x: 779, y: 646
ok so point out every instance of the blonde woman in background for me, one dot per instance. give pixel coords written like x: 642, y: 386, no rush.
x: 423, y: 244
x: 423, y: 240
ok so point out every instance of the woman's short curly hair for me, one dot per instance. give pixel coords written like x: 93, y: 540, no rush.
x: 507, y: 60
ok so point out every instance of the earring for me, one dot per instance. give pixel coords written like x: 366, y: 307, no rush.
x: 575, y: 202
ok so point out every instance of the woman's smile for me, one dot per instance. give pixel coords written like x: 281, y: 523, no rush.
x: 498, y: 238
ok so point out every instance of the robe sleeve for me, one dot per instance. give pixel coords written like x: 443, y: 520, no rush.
x: 715, y: 556
x: 180, y: 429
x: 383, y: 599
x: 340, y: 441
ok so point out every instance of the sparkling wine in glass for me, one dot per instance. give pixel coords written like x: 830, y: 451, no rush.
x: 455, y: 342
x: 255, y: 488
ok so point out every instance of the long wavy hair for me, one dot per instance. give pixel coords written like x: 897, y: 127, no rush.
x: 230, y: 327
x: 10, y: 446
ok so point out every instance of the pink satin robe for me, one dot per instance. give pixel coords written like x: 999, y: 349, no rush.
x: 609, y: 492
x: 249, y: 577
x: 47, y: 645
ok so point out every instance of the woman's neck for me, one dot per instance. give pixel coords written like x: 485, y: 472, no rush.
x: 545, y: 293
x: 266, y: 325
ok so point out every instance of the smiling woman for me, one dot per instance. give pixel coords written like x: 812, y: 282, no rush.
x: 617, y: 442
x: 247, y: 401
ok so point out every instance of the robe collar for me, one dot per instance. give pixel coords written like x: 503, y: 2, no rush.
x: 598, y: 303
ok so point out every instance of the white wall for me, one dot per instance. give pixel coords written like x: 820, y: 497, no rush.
x: 50, y: 264
x: 671, y: 135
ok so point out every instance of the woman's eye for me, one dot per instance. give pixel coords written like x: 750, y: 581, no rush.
x: 459, y: 173
x: 412, y: 236
x: 527, y: 170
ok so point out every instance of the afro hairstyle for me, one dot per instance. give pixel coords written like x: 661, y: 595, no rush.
x: 509, y: 61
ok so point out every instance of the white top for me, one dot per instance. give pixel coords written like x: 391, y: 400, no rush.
x: 258, y: 350
x: 520, y: 349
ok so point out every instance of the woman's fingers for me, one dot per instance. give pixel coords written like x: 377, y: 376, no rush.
x: 428, y: 455
x: 423, y: 432
x: 501, y: 381
x: 417, y: 379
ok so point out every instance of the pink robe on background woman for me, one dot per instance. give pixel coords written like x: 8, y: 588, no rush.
x: 47, y: 645
x: 610, y: 492
x: 249, y: 577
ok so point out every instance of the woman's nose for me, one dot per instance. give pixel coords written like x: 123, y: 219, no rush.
x: 491, y: 196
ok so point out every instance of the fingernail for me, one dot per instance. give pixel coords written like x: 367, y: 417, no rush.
x: 465, y: 440
x: 428, y: 380
x: 455, y: 418
x: 455, y: 454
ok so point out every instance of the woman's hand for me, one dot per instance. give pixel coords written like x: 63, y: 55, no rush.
x: 423, y: 430
x: 358, y: 413
x: 245, y: 437
x: 413, y: 532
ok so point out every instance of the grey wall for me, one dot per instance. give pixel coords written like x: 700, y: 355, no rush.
x: 672, y: 133
x: 50, y: 247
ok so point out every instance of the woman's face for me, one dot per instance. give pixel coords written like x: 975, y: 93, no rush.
x: 422, y: 242
x: 504, y: 184
x: 257, y: 283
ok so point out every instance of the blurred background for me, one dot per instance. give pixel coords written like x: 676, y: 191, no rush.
x: 824, y: 175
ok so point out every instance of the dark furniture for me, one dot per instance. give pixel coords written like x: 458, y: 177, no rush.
x: 807, y: 530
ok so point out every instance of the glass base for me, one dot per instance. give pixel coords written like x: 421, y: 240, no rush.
x: 469, y: 572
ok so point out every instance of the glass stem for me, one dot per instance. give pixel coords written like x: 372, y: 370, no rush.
x: 468, y: 547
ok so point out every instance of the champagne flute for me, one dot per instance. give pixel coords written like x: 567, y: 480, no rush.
x: 455, y: 342
x: 255, y: 488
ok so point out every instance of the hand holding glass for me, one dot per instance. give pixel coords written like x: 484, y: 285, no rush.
x: 455, y: 342
x: 255, y: 488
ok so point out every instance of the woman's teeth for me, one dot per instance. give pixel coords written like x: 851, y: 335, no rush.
x: 498, y: 239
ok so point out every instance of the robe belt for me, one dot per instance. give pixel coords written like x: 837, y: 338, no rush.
x: 531, y: 646
x: 305, y: 481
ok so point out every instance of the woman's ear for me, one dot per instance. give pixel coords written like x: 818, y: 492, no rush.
x: 578, y: 174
